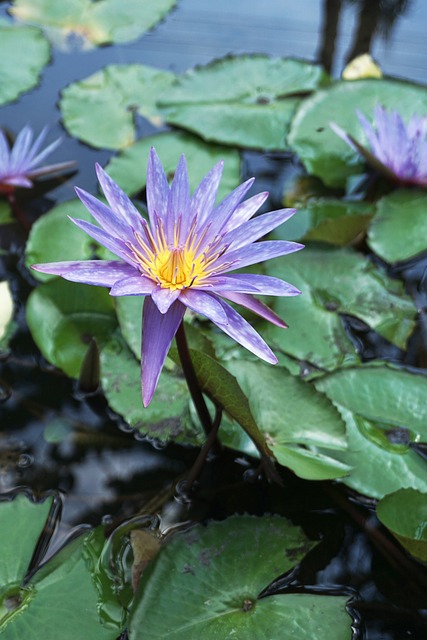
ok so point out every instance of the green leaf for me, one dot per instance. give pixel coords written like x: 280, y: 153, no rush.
x: 398, y: 230
x: 7, y: 326
x: 129, y: 167
x: 405, y: 514
x: 294, y: 418
x: 54, y: 238
x: 100, y: 109
x: 385, y: 412
x: 221, y: 570
x: 63, y: 317
x: 24, y: 53
x: 246, y: 101
x: 167, y: 417
x: 323, y: 152
x: 6, y: 216
x: 336, y: 222
x: 95, y: 22
x: 335, y: 281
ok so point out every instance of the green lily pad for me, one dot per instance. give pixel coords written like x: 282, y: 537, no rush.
x: 384, y: 410
x: 95, y: 22
x: 100, y: 109
x: 329, y: 220
x: 63, y: 316
x: 168, y: 415
x: 24, y: 52
x: 323, y: 153
x: 54, y: 238
x: 335, y: 281
x: 247, y: 101
x: 7, y: 326
x: 68, y: 593
x: 221, y: 570
x: 129, y: 168
x: 405, y: 514
x: 6, y: 216
x: 398, y: 230
x: 294, y: 431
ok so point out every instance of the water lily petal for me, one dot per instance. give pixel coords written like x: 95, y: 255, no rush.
x: 265, y: 285
x: 205, y: 304
x: 204, y: 197
x: 258, y: 252
x: 164, y: 298
x: 103, y: 273
x: 178, y: 202
x: 157, y: 188
x: 119, y: 201
x: 106, y: 217
x: 134, y: 285
x: 116, y: 245
x: 257, y: 228
x: 245, y: 211
x: 256, y: 306
x: 158, y: 331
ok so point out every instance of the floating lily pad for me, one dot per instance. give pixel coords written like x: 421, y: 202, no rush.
x: 334, y: 282
x: 24, y: 52
x: 399, y: 229
x: 100, y: 109
x: 6, y: 216
x: 7, y: 325
x: 329, y: 220
x: 221, y: 570
x: 67, y: 593
x: 63, y: 317
x: 293, y: 430
x: 129, y: 168
x: 385, y: 412
x: 167, y: 417
x: 94, y: 22
x: 247, y: 101
x: 323, y: 153
x: 53, y: 238
x: 405, y: 514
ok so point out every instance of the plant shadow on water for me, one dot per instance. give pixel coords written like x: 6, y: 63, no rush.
x: 96, y: 497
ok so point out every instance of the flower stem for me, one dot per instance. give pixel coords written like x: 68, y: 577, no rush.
x: 191, y: 379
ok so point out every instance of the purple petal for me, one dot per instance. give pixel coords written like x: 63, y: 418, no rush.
x: 257, y: 307
x: 205, y: 304
x: 103, y: 273
x: 257, y: 228
x: 228, y: 283
x: 118, y: 200
x: 223, y: 212
x: 263, y: 285
x: 164, y: 298
x: 158, y: 331
x: 113, y: 244
x: 17, y: 181
x: 51, y: 168
x: 204, y: 197
x: 258, y: 252
x: 45, y: 153
x: 20, y: 149
x: 133, y: 286
x: 157, y: 188
x: 106, y: 217
x: 342, y: 134
x: 245, y: 211
x: 241, y: 331
x: 179, y: 201
x: 4, y: 152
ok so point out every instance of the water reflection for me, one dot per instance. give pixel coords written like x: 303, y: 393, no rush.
x: 373, y: 17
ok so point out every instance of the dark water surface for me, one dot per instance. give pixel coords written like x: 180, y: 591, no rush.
x: 103, y: 472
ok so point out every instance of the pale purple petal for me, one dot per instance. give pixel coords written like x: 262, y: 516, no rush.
x: 158, y: 331
x: 164, y: 298
x: 204, y: 197
x: 241, y: 331
x: 118, y: 200
x: 106, y: 217
x: 115, y: 245
x: 204, y: 304
x: 257, y: 228
x: 223, y: 212
x: 245, y: 211
x: 263, y: 285
x: 46, y: 152
x: 4, y: 153
x: 51, y: 168
x: 20, y: 148
x: 229, y: 283
x: 258, y: 252
x: 157, y: 188
x: 257, y: 307
x: 342, y: 134
x: 103, y: 273
x: 134, y: 285
x: 17, y: 181
x: 179, y: 202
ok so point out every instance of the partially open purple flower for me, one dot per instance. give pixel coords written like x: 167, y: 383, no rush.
x: 396, y: 149
x: 182, y: 258
x: 18, y: 164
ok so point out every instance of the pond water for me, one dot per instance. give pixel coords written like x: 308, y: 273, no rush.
x: 55, y: 437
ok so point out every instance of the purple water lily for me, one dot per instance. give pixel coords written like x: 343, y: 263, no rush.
x: 182, y: 258
x: 19, y: 164
x: 396, y: 149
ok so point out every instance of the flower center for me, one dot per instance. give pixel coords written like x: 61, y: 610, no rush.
x: 176, y: 268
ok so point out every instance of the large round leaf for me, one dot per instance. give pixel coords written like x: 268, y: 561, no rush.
x: 100, y: 109
x: 405, y: 514
x: 7, y: 325
x: 206, y: 584
x: 385, y: 412
x: 95, y: 22
x: 63, y: 316
x: 246, y: 101
x: 321, y: 150
x: 335, y: 281
x: 24, y: 52
x: 398, y: 230
x: 129, y: 168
